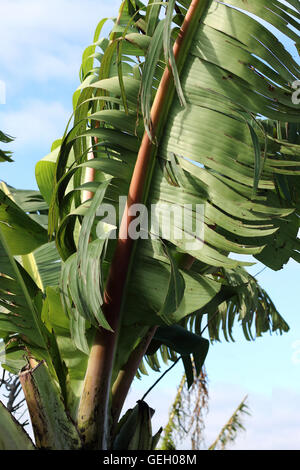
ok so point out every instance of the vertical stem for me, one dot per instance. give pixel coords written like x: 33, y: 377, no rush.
x: 93, y: 408
x: 125, y: 378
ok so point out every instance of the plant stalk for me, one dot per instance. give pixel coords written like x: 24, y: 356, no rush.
x: 125, y: 377
x: 93, y: 409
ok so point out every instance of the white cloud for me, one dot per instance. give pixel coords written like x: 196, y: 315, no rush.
x: 43, y: 40
x: 224, y: 399
x: 34, y: 124
x: 60, y: 16
x: 46, y: 66
x: 274, y: 423
x: 286, y: 419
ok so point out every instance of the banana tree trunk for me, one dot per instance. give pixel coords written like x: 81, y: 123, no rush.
x: 53, y: 428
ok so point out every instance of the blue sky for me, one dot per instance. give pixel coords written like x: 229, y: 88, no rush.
x: 41, y: 47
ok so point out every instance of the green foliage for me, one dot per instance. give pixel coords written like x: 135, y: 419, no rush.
x: 5, y: 155
x: 14, y: 437
x: 211, y: 147
x: 135, y: 430
x: 185, y: 343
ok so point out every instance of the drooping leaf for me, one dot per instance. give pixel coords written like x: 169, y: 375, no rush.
x: 5, y: 155
x: 82, y: 285
x: 56, y: 320
x: 153, y: 56
x: 22, y: 234
x: 135, y: 430
x: 185, y: 343
x: 175, y: 291
x: 12, y: 435
x: 20, y: 316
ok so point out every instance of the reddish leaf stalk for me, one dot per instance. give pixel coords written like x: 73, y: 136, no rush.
x: 126, y: 375
x: 93, y: 408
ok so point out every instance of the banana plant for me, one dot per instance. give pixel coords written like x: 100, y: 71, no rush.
x: 5, y: 155
x: 180, y: 109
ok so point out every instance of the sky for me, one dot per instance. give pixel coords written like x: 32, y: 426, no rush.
x: 41, y: 47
